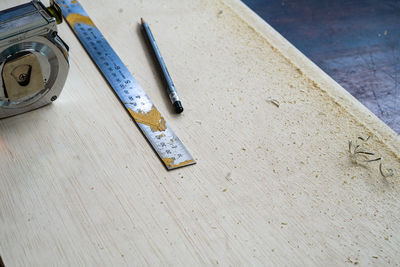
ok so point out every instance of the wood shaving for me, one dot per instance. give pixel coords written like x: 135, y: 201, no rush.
x: 274, y: 101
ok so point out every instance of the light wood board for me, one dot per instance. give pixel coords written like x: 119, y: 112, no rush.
x: 79, y: 184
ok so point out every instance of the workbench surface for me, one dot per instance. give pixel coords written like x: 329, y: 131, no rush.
x: 275, y: 183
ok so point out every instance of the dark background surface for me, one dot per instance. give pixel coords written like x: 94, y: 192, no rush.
x: 357, y: 42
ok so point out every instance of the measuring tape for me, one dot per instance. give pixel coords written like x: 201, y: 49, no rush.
x: 167, y: 145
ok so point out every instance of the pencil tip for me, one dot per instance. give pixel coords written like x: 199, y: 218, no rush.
x: 142, y: 20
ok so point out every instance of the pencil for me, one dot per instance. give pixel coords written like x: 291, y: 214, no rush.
x: 171, y: 90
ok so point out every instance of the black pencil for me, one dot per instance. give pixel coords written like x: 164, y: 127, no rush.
x: 172, y: 93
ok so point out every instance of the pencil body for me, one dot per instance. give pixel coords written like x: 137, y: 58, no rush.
x: 169, y: 84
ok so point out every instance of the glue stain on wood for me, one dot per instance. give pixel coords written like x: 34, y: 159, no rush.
x: 75, y: 18
x: 152, y: 118
x: 170, y: 162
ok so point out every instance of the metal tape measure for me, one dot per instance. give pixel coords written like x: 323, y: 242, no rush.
x: 34, y: 60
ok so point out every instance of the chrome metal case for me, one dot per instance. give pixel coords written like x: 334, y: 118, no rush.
x: 34, y: 60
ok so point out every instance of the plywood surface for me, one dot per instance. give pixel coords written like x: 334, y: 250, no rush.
x: 274, y: 184
x: 358, y: 46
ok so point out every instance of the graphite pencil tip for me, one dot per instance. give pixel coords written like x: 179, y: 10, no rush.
x: 142, y: 20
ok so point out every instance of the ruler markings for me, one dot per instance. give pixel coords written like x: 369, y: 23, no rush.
x: 153, y: 125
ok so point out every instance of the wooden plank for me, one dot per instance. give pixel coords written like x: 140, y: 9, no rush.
x: 356, y: 42
x: 273, y: 185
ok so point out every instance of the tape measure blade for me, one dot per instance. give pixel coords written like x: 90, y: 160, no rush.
x: 153, y: 125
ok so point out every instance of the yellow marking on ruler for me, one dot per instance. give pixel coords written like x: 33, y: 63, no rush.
x: 78, y: 18
x: 170, y: 162
x: 152, y: 118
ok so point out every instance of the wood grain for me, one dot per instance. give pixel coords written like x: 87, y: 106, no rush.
x: 79, y: 185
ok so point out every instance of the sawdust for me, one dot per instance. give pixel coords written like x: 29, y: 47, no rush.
x: 152, y: 118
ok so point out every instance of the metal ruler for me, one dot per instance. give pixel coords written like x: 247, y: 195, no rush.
x: 164, y: 141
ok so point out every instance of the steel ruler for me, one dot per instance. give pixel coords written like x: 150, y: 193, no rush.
x: 153, y: 125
